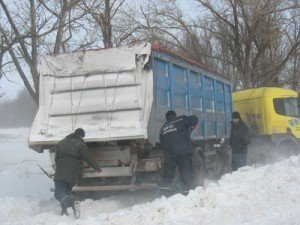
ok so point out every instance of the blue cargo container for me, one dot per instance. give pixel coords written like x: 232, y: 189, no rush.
x: 188, y: 89
x: 191, y: 89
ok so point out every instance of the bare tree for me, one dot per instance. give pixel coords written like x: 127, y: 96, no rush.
x: 15, y: 36
x: 112, y: 20
x: 161, y: 22
x: 71, y: 34
x: 1, y: 60
x: 253, y: 42
x: 28, y: 30
x: 1, y: 55
x: 291, y: 74
x: 31, y: 28
x: 248, y: 41
x: 253, y: 33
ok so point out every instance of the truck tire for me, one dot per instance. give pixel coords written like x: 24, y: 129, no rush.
x: 199, y: 169
x: 223, y: 165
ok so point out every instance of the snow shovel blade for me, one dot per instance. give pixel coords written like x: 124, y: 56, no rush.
x: 45, y: 172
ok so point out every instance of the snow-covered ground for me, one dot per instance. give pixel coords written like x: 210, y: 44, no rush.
x: 19, y: 173
x: 264, y: 195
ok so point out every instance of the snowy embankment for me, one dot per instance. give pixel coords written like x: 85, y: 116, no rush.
x: 265, y: 195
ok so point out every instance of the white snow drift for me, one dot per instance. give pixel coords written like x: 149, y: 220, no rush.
x: 265, y: 195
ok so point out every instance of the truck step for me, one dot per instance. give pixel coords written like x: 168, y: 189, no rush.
x: 116, y: 187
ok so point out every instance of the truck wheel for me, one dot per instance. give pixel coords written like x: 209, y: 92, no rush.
x: 199, y: 169
x: 222, y: 166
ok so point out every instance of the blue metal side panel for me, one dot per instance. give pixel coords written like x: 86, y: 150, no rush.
x: 169, y: 73
x: 190, y: 92
x: 216, y: 130
x: 196, y: 102
x: 228, y: 107
x: 162, y: 93
x: 179, y: 90
x: 204, y: 130
x: 220, y: 108
x: 209, y: 99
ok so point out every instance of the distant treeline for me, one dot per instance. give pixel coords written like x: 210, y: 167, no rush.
x: 18, y: 112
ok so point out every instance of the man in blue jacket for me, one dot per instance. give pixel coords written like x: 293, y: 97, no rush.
x: 177, y: 147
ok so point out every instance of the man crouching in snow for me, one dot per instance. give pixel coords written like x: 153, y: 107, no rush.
x: 177, y: 147
x: 69, y: 153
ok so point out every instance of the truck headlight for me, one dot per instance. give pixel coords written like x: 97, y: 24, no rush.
x: 294, y: 122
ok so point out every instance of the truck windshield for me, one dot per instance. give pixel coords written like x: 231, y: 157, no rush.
x: 287, y: 106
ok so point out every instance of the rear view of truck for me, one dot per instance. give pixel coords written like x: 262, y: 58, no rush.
x: 119, y: 97
x: 273, y: 115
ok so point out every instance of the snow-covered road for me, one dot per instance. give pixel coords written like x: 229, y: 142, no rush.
x: 264, y: 195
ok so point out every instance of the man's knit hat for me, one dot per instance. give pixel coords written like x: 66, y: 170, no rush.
x: 236, y: 115
x: 79, y: 132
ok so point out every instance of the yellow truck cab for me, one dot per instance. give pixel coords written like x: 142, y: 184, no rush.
x: 272, y: 114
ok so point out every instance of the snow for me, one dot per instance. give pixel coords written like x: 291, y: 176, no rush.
x: 90, y: 62
x: 90, y: 90
x: 19, y: 173
x: 93, y: 61
x: 263, y: 195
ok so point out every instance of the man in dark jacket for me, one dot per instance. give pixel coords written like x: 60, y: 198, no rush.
x: 239, y: 140
x: 69, y: 153
x: 176, y: 144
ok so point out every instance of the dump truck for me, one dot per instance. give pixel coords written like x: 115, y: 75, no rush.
x: 119, y: 96
x: 273, y: 116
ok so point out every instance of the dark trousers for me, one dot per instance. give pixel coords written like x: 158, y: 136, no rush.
x: 63, y: 193
x: 239, y: 158
x: 185, y: 167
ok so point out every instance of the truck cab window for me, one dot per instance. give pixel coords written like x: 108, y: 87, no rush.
x: 287, y: 106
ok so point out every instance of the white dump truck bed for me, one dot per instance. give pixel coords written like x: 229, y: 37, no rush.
x: 106, y: 92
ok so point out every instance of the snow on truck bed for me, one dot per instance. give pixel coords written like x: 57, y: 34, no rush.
x: 107, y: 92
x: 264, y: 195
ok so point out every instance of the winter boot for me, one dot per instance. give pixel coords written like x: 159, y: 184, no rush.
x: 185, y: 192
x: 76, y: 209
x: 64, y: 212
x: 66, y: 202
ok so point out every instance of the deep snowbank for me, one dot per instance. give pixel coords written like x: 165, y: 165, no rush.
x: 265, y: 195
